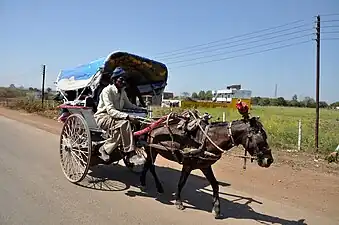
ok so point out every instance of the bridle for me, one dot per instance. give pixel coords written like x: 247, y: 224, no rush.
x: 248, y: 139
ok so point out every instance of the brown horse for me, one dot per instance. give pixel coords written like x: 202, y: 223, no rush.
x: 169, y: 141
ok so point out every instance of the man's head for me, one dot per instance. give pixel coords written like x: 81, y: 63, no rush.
x: 118, y: 78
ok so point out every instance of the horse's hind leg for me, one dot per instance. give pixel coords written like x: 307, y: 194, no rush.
x: 185, y: 172
x: 208, y: 172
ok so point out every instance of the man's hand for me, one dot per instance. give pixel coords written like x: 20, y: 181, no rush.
x: 132, y: 118
x: 143, y: 109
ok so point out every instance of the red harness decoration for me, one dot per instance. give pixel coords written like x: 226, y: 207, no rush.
x: 150, y: 127
x: 242, y: 108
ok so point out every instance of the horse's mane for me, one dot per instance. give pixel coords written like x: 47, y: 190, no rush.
x: 221, y: 124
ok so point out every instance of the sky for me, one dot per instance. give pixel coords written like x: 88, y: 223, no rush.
x: 65, y: 33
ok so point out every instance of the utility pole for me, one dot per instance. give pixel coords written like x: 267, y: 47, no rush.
x: 43, y: 85
x: 317, y: 85
x: 276, y: 90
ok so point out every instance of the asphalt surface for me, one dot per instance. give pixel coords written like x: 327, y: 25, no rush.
x: 34, y: 191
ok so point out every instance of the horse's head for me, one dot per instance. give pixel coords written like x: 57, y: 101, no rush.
x: 255, y: 142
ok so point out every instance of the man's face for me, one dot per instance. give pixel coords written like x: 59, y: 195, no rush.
x: 120, y: 82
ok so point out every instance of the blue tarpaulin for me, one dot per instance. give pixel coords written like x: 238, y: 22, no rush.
x: 150, y: 74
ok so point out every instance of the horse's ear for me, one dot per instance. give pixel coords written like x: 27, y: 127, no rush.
x: 255, y: 118
x: 253, y: 121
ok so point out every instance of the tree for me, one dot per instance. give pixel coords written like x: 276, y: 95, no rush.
x: 335, y: 104
x: 281, y: 101
x: 31, y: 89
x: 273, y: 102
x: 264, y: 102
x: 201, y: 95
x: 309, y: 102
x: 323, y: 104
x: 294, y: 97
x: 194, y: 95
x: 12, y: 86
x: 49, y: 90
x: 208, y: 95
x: 294, y: 103
x: 256, y: 100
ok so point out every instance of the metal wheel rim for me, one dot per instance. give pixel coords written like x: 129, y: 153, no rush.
x: 80, y: 156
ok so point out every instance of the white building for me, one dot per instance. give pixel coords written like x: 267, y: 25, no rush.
x: 231, y: 92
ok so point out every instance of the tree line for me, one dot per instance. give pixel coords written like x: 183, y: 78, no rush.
x: 15, y: 92
x: 201, y: 95
x: 306, y: 102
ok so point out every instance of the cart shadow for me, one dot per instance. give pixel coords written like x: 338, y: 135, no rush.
x: 195, y: 196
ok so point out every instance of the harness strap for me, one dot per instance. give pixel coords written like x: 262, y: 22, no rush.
x: 229, y: 127
x: 203, y: 141
x: 172, y: 138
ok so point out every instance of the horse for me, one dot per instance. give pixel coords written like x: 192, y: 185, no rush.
x: 209, y: 141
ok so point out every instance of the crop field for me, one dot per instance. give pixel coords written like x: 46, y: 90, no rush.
x: 281, y: 123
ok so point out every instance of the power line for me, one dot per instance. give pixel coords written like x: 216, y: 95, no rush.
x: 330, y: 32
x: 220, y: 40
x: 329, y: 39
x: 239, y: 50
x: 225, y: 47
x: 242, y: 55
x: 330, y: 14
x: 329, y: 26
x: 243, y: 39
x: 326, y: 21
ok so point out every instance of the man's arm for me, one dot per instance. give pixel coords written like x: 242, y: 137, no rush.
x: 128, y: 104
x: 137, y: 91
x: 108, y: 101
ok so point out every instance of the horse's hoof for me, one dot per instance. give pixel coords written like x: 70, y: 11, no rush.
x: 217, y: 215
x: 142, y: 188
x: 179, y: 206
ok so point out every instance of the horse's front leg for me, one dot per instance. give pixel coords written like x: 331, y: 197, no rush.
x: 149, y: 165
x: 208, y: 172
x: 185, y: 172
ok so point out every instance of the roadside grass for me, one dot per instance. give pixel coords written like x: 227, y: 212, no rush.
x: 281, y: 123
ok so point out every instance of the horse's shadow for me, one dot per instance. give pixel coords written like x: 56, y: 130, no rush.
x: 119, y: 178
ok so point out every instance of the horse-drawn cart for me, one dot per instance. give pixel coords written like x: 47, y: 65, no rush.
x: 80, y: 87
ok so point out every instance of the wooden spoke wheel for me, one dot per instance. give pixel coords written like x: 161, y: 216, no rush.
x: 75, y: 148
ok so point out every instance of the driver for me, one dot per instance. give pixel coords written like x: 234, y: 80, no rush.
x: 112, y: 99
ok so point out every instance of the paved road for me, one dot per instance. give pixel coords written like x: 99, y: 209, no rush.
x: 34, y: 191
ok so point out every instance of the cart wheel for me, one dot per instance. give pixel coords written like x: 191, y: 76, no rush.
x: 75, y: 148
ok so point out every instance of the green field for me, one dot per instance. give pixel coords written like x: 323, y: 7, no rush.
x: 281, y: 124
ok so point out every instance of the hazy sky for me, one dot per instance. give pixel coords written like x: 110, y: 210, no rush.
x: 63, y: 34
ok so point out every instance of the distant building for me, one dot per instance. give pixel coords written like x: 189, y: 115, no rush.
x: 231, y: 94
x: 160, y: 100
